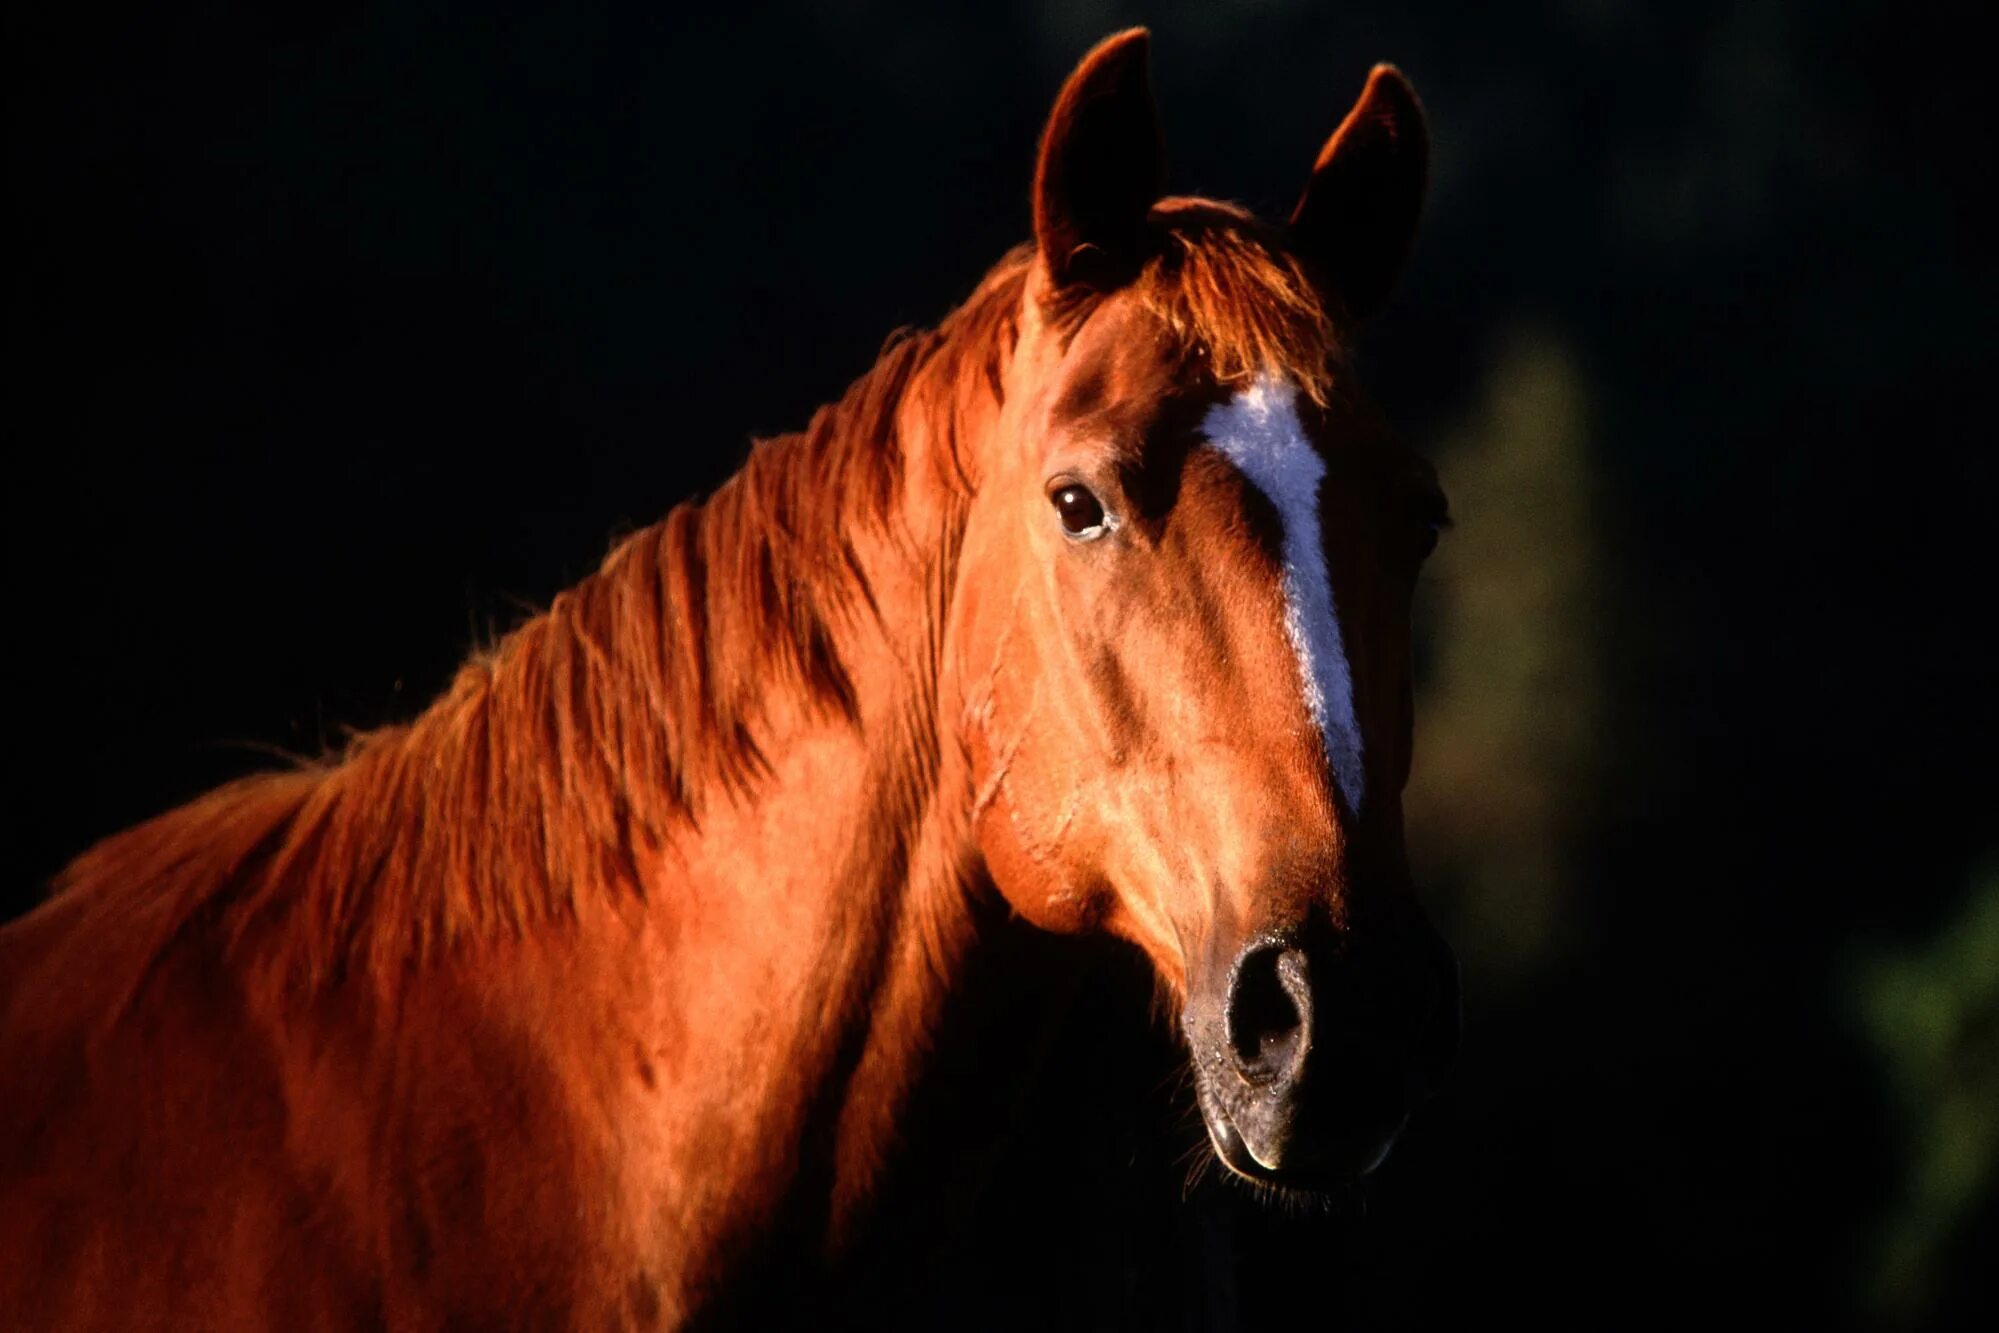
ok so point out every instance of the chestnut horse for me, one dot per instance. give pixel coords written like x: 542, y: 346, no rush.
x: 542, y: 1009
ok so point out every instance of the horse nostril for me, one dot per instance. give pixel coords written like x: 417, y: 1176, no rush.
x: 1270, y: 1014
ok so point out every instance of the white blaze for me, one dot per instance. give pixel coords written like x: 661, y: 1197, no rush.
x: 1259, y: 431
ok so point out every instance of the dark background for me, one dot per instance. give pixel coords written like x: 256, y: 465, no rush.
x: 337, y: 343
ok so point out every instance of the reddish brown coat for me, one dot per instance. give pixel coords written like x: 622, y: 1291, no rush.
x: 544, y: 1009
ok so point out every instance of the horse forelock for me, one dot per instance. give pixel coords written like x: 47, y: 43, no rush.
x: 1233, y: 301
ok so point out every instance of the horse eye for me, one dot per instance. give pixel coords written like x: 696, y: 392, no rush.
x: 1082, y: 515
x: 1435, y: 516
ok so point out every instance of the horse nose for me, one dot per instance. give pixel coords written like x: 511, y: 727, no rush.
x: 1269, y: 1016
x: 1332, y: 1045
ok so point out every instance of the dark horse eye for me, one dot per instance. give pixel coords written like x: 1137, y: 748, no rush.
x: 1435, y: 515
x: 1081, y: 515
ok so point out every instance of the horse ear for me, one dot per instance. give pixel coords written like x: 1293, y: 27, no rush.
x: 1357, y: 218
x: 1102, y: 166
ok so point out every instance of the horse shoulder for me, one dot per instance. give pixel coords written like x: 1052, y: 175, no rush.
x: 143, y: 1148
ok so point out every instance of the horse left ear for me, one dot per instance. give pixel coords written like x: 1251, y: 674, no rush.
x: 1357, y: 218
x: 1102, y: 167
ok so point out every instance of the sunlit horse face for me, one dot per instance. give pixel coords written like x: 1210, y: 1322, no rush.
x: 1190, y: 593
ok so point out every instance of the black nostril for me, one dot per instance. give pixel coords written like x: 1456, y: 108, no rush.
x: 1270, y: 1013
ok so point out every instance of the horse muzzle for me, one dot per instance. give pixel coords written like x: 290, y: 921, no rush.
x: 1310, y: 1060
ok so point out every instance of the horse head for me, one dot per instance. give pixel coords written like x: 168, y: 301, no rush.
x: 1182, y: 637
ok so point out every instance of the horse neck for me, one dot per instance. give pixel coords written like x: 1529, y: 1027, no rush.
x: 740, y: 716
x: 827, y: 840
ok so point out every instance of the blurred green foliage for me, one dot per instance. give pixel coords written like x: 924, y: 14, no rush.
x: 1931, y: 1013
x: 1510, y: 718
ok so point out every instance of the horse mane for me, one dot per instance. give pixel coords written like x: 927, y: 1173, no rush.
x: 599, y: 729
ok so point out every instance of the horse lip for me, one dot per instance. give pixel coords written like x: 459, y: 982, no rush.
x: 1237, y: 1155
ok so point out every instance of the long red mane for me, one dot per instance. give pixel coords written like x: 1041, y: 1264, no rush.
x: 605, y: 723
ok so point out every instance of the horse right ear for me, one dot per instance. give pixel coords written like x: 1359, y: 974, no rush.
x: 1357, y: 218
x: 1102, y: 167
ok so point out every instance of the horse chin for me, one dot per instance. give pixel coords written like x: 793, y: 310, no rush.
x: 1331, y: 1172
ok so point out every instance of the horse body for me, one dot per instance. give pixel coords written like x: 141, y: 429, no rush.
x: 608, y: 979
x: 600, y: 1079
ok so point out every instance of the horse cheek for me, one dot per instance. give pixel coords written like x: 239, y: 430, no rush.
x: 1027, y: 871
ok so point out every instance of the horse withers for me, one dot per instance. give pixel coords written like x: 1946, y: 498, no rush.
x: 564, y: 1003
